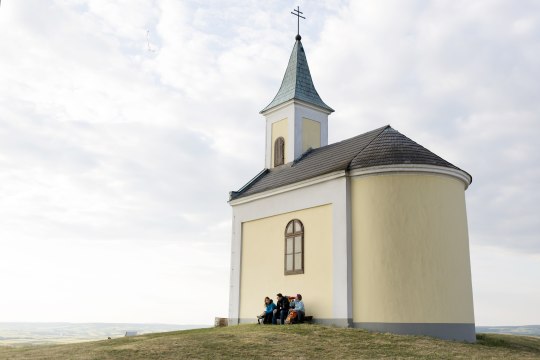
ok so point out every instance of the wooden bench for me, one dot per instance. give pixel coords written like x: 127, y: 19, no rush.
x: 307, y: 319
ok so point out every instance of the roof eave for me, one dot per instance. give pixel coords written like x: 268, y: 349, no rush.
x: 456, y: 173
x: 235, y: 194
x: 289, y: 187
x: 268, y: 110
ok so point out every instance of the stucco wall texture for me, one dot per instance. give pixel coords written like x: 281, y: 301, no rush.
x: 410, y: 250
x: 262, y: 262
x: 311, y: 134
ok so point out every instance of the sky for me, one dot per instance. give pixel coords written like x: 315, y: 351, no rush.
x: 125, y: 123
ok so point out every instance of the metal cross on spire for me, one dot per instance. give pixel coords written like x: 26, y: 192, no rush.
x: 296, y: 12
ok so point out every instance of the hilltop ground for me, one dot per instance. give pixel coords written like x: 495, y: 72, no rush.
x: 295, y: 341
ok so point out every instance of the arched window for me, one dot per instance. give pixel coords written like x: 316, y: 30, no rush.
x: 294, y: 248
x: 279, y: 151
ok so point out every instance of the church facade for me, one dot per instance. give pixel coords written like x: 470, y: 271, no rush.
x: 372, y: 230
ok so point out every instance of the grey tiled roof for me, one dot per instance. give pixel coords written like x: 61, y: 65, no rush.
x: 383, y: 146
x: 297, y: 82
x: 393, y: 148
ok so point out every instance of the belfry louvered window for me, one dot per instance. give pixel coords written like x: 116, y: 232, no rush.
x: 279, y: 151
x: 294, y: 247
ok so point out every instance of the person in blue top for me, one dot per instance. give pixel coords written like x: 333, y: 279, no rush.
x: 266, y: 316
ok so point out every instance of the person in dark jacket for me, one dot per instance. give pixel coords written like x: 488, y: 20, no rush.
x: 282, y: 309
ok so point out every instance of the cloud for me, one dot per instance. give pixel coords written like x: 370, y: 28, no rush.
x: 114, y: 157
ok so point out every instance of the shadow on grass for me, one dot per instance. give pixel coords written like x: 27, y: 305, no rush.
x: 523, y: 343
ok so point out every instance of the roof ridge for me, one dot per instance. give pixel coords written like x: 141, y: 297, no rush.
x: 383, y: 128
x: 303, y: 155
x: 311, y: 151
x: 354, y: 137
x: 419, y: 150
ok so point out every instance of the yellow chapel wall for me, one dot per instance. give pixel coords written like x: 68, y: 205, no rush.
x: 311, y: 134
x: 279, y: 128
x: 262, y: 263
x: 410, y: 250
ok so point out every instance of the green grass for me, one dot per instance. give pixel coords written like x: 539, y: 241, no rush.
x: 298, y: 341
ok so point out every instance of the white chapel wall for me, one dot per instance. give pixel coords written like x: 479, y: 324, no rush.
x: 295, y: 112
x: 332, y: 192
x: 262, y: 264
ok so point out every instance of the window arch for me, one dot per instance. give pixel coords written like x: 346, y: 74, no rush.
x: 294, y: 247
x: 279, y: 151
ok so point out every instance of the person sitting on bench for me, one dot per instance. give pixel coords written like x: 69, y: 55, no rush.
x: 298, y: 306
x: 268, y: 312
x: 282, y: 309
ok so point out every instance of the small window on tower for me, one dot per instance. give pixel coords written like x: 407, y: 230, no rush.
x: 294, y: 248
x: 279, y: 151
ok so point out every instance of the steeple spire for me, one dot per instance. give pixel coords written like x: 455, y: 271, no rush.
x: 297, y: 83
x: 296, y: 12
x: 297, y: 118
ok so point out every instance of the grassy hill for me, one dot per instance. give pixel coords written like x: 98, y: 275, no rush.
x: 298, y: 341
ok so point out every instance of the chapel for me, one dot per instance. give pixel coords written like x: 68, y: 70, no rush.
x: 371, y: 230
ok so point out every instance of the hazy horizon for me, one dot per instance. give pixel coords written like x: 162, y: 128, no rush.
x: 14, y: 333
x: 41, y: 333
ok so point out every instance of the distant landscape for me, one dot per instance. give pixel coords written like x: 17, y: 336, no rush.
x: 529, y: 330
x: 61, y: 333
x: 28, y: 333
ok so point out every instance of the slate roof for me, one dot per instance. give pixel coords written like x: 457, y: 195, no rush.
x: 297, y: 82
x: 382, y: 146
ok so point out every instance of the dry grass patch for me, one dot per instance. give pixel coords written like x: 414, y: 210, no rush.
x: 299, y: 341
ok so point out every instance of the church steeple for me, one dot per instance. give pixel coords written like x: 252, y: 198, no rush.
x: 297, y: 83
x: 297, y: 118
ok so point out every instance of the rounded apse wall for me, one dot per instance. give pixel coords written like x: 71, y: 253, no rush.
x: 410, y: 254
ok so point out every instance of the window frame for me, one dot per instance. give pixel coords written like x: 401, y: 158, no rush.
x: 292, y: 236
x: 279, y: 151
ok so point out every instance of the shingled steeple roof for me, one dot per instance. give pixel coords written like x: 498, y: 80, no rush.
x: 297, y: 83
